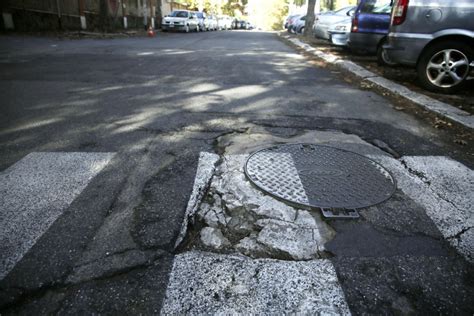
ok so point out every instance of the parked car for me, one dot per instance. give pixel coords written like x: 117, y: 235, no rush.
x: 202, y: 21
x: 298, y: 24
x: 292, y: 21
x: 180, y: 20
x: 436, y: 38
x: 212, y: 23
x: 339, y: 32
x: 324, y: 20
x: 288, y: 19
x: 224, y: 22
x: 370, y: 28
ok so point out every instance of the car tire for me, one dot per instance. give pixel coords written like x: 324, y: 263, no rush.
x: 301, y: 30
x: 382, y: 57
x: 186, y: 29
x: 197, y: 28
x: 444, y: 66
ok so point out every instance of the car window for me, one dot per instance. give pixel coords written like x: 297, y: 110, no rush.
x: 377, y: 6
x: 179, y: 14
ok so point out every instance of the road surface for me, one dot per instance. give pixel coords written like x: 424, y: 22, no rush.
x: 104, y: 145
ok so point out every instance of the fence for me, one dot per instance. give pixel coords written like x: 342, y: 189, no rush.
x: 93, y: 15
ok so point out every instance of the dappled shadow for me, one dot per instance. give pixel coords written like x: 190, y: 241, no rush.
x: 106, y: 94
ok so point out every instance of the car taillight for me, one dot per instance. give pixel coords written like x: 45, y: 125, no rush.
x: 355, y: 25
x: 399, y: 11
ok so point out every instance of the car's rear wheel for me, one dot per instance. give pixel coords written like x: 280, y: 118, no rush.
x: 444, y: 66
x: 302, y: 30
x: 186, y: 28
x: 382, y: 57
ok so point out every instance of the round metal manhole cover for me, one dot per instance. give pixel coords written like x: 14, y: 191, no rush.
x: 316, y: 176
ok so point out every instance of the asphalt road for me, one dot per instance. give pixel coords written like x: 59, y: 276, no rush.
x: 141, y: 110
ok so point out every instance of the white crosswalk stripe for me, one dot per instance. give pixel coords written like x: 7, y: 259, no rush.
x: 444, y: 188
x: 35, y: 192
x: 206, y: 283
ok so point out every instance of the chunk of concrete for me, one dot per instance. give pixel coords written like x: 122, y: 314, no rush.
x: 297, y: 242
x: 250, y: 247
x: 213, y: 238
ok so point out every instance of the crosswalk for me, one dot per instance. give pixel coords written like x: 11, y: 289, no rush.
x: 37, y: 190
x: 34, y: 192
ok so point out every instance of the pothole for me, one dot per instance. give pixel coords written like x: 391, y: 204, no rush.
x: 236, y: 217
x: 231, y: 215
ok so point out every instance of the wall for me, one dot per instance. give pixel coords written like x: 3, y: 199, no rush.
x: 46, y: 15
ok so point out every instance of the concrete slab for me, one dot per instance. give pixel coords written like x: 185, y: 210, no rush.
x: 35, y: 192
x: 206, y: 283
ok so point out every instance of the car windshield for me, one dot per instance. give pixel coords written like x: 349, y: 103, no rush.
x: 200, y: 15
x: 377, y: 6
x: 179, y: 14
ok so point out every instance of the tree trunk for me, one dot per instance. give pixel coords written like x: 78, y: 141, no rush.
x: 308, y: 25
x: 103, y: 15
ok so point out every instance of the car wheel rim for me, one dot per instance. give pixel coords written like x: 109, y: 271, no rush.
x: 447, y: 68
x: 385, y: 58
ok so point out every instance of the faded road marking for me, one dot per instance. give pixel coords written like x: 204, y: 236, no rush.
x: 34, y: 192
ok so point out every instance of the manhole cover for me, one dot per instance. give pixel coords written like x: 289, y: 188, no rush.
x: 316, y: 176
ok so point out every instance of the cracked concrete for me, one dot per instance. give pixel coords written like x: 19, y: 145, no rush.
x: 238, y: 217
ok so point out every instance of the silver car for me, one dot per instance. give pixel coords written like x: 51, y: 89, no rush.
x: 436, y: 37
x: 339, y: 32
x: 324, y: 20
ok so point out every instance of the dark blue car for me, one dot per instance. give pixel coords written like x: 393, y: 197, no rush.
x: 370, y: 28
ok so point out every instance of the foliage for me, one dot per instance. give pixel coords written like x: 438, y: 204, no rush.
x: 234, y: 7
x: 229, y: 7
x: 267, y: 14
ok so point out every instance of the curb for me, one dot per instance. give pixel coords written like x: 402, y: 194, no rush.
x: 440, y: 108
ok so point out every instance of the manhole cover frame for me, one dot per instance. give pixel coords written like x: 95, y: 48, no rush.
x: 335, y: 212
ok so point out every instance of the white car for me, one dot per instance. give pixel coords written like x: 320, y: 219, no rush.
x: 180, y: 20
x: 212, y: 23
x: 224, y: 22
x: 324, y: 20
